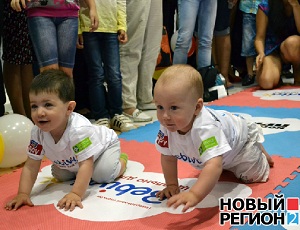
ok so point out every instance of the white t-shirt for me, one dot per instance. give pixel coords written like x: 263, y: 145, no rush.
x: 214, y: 133
x: 80, y: 141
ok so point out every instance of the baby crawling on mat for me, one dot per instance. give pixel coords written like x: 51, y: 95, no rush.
x: 211, y: 140
x: 78, y: 149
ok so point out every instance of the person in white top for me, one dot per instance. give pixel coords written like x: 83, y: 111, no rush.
x: 78, y: 149
x: 207, y: 139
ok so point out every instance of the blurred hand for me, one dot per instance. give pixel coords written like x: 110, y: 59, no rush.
x: 94, y: 20
x: 18, y: 4
x: 168, y: 192
x: 18, y: 201
x: 122, y: 36
x: 79, y: 44
x: 188, y: 199
x: 259, y: 61
x: 69, y: 202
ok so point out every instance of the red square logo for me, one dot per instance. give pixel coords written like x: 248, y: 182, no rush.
x: 292, y: 204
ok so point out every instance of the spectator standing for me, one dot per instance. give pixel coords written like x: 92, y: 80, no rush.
x: 53, y: 29
x: 101, y: 52
x: 249, y: 9
x: 199, y: 16
x: 139, y: 57
x: 17, y: 59
x: 222, y: 41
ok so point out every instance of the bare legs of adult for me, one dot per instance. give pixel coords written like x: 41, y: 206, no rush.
x: 290, y: 52
x: 68, y: 71
x: 222, y: 54
x: 268, y: 75
x: 296, y: 73
x: 17, y: 80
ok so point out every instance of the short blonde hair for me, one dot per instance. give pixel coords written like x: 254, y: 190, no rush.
x: 184, y: 75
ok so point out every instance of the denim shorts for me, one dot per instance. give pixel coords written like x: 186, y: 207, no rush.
x: 249, y: 33
x: 222, y: 26
x: 54, y: 40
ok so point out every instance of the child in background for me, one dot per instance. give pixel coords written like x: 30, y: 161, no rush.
x: 215, y: 140
x: 53, y: 29
x: 102, y: 55
x: 65, y: 136
x: 249, y: 9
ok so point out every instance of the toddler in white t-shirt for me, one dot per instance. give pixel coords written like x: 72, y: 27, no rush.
x: 210, y: 140
x: 78, y: 149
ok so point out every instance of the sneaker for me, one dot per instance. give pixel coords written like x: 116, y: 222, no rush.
x: 102, y: 121
x: 138, y: 116
x: 121, y: 123
x: 220, y: 80
x: 248, y: 80
x: 216, y: 92
x: 147, y: 106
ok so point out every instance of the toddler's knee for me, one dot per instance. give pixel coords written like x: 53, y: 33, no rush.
x: 103, y: 176
x: 62, y: 174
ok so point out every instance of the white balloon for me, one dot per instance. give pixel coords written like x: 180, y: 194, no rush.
x: 15, y: 130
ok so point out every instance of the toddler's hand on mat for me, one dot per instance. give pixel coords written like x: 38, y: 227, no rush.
x: 168, y: 192
x: 69, y: 202
x: 188, y: 199
x: 20, y: 200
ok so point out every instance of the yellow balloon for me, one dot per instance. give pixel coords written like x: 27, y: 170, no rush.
x: 1, y: 148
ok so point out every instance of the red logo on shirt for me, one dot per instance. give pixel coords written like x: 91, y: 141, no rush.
x: 35, y: 148
x: 162, y: 140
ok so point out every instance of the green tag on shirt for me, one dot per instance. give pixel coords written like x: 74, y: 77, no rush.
x: 82, y: 145
x: 207, y: 144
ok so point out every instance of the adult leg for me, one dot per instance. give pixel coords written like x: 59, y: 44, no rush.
x: 151, y: 48
x: 97, y: 90
x: 111, y: 60
x: 26, y: 80
x: 52, y: 66
x: 206, y: 24
x: 130, y: 53
x: 67, y: 32
x: 42, y: 31
x: 187, y: 21
x: 17, y: 80
x: 290, y: 52
x: 222, y: 40
x: 223, y: 50
x: 248, y: 49
x: 17, y: 56
x: 269, y: 74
